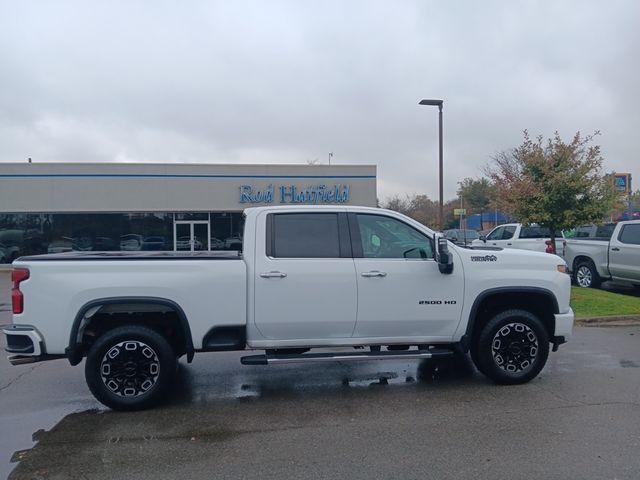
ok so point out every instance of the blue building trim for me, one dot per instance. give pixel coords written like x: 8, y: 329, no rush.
x: 158, y: 175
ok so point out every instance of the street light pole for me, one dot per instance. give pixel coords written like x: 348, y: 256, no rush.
x: 439, y: 104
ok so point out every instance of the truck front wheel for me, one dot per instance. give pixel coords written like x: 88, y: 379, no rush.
x: 512, y: 347
x: 130, y: 368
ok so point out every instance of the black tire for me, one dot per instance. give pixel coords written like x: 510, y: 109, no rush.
x: 130, y: 368
x: 585, y: 275
x: 512, y: 347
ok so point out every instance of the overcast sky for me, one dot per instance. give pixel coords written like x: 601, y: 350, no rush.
x: 291, y: 81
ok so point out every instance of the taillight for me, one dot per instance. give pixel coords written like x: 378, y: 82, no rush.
x: 549, y: 245
x: 17, y: 299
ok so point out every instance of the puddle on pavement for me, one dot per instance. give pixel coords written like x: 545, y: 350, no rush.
x: 204, y: 406
x: 17, y: 442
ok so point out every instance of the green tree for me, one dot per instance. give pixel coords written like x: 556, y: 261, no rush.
x: 555, y: 184
x: 478, y: 194
x: 634, y: 201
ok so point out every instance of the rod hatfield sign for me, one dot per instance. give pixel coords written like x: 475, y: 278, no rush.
x: 315, y: 194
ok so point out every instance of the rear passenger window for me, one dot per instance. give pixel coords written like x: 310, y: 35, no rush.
x: 605, y: 231
x: 534, y: 232
x: 583, y: 232
x: 630, y: 234
x: 305, y: 235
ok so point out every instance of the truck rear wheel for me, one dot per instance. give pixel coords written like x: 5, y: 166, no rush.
x: 130, y: 368
x: 512, y: 347
x: 586, y: 275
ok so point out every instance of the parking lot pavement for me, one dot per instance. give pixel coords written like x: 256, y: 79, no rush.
x: 391, y: 419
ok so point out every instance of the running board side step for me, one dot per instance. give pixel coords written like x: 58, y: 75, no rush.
x: 270, y: 359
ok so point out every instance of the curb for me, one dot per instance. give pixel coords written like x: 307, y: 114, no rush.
x: 614, y: 321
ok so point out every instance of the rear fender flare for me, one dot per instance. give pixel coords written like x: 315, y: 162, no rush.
x: 74, y: 353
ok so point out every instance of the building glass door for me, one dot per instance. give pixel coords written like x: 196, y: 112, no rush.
x: 191, y: 236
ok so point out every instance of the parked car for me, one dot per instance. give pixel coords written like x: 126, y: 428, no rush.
x: 184, y: 243
x: 104, y: 244
x: 61, y: 245
x: 517, y: 235
x: 233, y: 243
x: 461, y: 237
x: 4, y: 257
x: 605, y: 252
x: 154, y: 243
x: 217, y: 244
x: 13, y: 241
x: 131, y: 242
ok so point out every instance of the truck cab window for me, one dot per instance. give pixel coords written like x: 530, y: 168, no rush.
x: 386, y: 237
x: 306, y: 235
x: 496, y: 234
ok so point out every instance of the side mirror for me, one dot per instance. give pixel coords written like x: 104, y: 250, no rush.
x: 483, y: 238
x: 444, y: 256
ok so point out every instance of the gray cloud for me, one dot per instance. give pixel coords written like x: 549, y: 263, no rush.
x: 291, y: 81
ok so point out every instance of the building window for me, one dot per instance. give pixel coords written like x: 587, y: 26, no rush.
x: 38, y: 233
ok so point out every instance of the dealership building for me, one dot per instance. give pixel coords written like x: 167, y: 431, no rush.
x: 58, y: 207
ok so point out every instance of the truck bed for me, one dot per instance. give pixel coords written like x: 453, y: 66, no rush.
x: 209, y: 286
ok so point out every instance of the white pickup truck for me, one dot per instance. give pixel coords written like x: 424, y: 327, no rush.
x: 309, y: 277
x: 525, y: 237
x: 605, y: 252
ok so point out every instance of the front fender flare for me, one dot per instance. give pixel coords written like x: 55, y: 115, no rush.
x: 465, y: 341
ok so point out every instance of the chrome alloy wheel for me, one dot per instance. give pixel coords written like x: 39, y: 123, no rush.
x: 514, y: 347
x: 130, y: 368
x: 584, y: 277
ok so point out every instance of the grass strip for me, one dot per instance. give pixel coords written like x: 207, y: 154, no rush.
x: 590, y: 302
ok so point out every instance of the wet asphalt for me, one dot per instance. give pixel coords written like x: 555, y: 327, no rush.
x: 378, y: 419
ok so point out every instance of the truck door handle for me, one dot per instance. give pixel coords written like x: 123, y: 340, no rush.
x: 615, y: 249
x: 374, y: 273
x: 273, y: 275
x: 509, y: 244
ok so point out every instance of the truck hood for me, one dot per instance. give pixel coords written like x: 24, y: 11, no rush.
x: 496, y: 255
